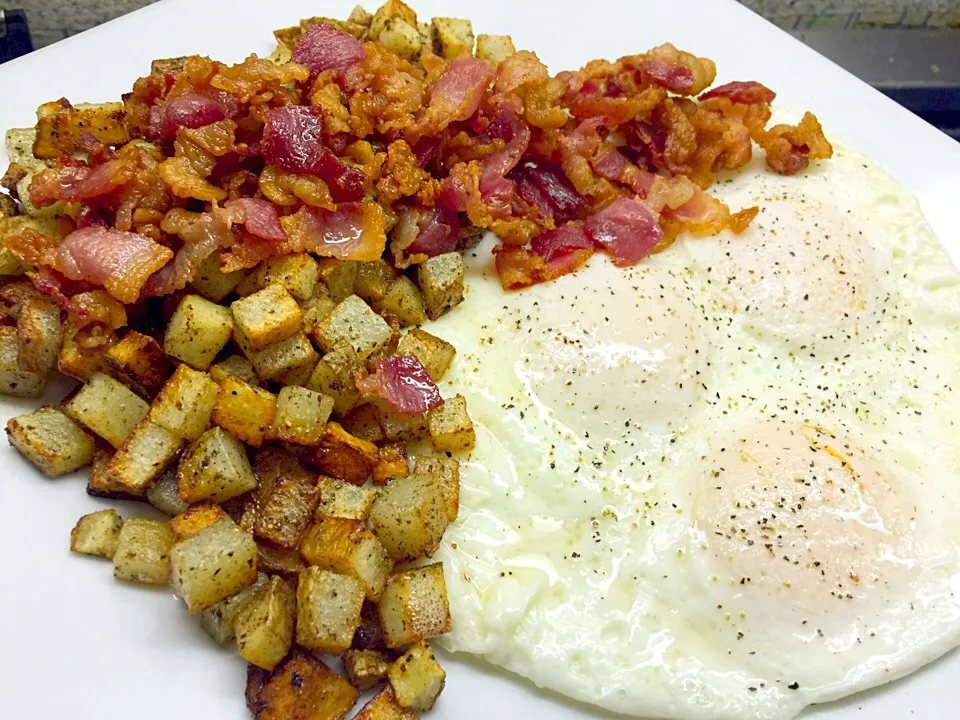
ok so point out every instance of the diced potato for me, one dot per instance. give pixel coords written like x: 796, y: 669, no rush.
x: 301, y: 416
x: 451, y: 429
x: 264, y: 626
x: 138, y: 362
x: 347, y: 547
x: 401, y: 38
x: 333, y: 376
x: 404, y: 301
x: 51, y: 441
x: 441, y: 280
x: 364, y: 422
x: 339, y: 276
x: 344, y: 500
x: 97, y: 534
x: 143, y: 456
x: 447, y: 471
x: 417, y: 678
x: 295, y: 355
x: 299, y: 274
x: 213, y: 564
x: 195, y: 519
x: 184, y: 405
x: 353, y: 321
x: 393, y: 462
x: 162, y: 66
x: 107, y: 408
x: 428, y: 38
x: 284, y: 516
x: 39, y: 333
x: 360, y: 16
x: 369, y: 635
x: 234, y: 366
x: 317, y: 308
x: 434, y: 354
x: 164, y: 496
x: 267, y: 317
x: 143, y: 552
x: 414, y: 606
x: 218, y: 619
x: 243, y: 410
x: 410, y: 516
x: 101, y: 484
x: 273, y: 463
x: 400, y: 426
x: 328, y: 610
x: 453, y: 37
x: 14, y: 381
x: 273, y: 559
x: 74, y: 360
x: 212, y: 282
x: 59, y: 131
x: 373, y: 280
x: 365, y: 668
x: 215, y: 468
x: 384, y: 706
x: 391, y: 10
x: 494, y: 48
x: 198, y: 331
x: 343, y: 456
x: 303, y: 688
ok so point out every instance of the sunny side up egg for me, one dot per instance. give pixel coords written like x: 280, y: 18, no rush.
x: 724, y: 483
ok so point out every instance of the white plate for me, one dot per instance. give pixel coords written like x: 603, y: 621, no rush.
x: 77, y: 644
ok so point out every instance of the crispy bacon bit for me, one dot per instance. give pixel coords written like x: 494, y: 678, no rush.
x: 259, y: 216
x: 545, y: 187
x: 455, y: 96
x: 675, y: 78
x: 627, y: 229
x: 324, y: 47
x: 518, y: 267
x: 747, y: 93
x: 556, y: 243
x: 49, y: 284
x: 404, y: 383
x: 790, y: 148
x: 190, y: 110
x: 74, y: 182
x: 422, y: 234
x: 354, y: 231
x: 495, y: 189
x: 202, y: 235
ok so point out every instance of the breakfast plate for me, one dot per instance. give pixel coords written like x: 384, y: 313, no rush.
x: 80, y: 644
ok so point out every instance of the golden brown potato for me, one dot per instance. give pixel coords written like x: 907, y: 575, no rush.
x: 373, y: 280
x: 452, y: 37
x: 244, y: 410
x: 236, y: 366
x: 14, y: 381
x: 317, y: 308
x: 267, y: 317
x: 339, y: 276
x: 185, y: 403
x: 400, y: 426
x: 39, y: 334
x: 447, y: 472
x: 143, y: 551
x: 97, y: 534
x: 410, y: 516
x: 198, y: 331
x: 384, y: 706
x: 138, y: 362
x: 333, y: 376
x: 264, y: 626
x: 404, y: 301
x: 212, y: 282
x: 392, y: 463
x: 391, y: 10
x: 51, y: 441
x: 284, y: 516
x: 299, y: 274
x: 441, y: 280
x: 414, y: 606
x: 303, y: 688
x: 347, y: 547
x: 365, y: 668
x: 328, y: 610
x: 60, y: 126
x: 353, y: 321
x: 344, y: 500
x: 194, y: 519
x: 363, y: 422
x: 345, y: 457
x: 145, y: 454
x: 218, y: 619
x: 163, y: 493
x: 417, y: 678
x: 101, y: 484
x: 289, y: 361
x: 494, y: 48
x: 215, y: 468
x: 451, y: 429
x: 301, y: 416
x: 107, y: 408
x: 402, y: 38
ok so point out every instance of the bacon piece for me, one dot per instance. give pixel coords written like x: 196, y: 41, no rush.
x: 202, y: 235
x: 76, y: 182
x: 747, y: 92
x: 647, y: 141
x: 551, y: 245
x: 495, y: 189
x: 546, y: 187
x: 790, y: 148
x: 461, y: 87
x: 627, y: 229
x: 610, y: 163
x: 49, y: 284
x: 404, y: 383
x: 190, y: 110
x: 518, y: 267
x: 676, y: 78
x: 702, y: 70
x: 426, y: 149
x: 354, y: 231
x: 439, y: 232
x: 324, y: 47
x: 259, y: 216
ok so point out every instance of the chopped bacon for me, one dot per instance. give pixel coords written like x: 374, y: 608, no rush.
x: 324, y: 47
x: 77, y: 182
x: 354, y: 231
x: 610, y: 163
x: 425, y: 149
x: 259, y: 216
x: 676, y: 78
x: 49, y: 284
x: 546, y: 187
x: 647, y: 141
x: 202, y: 235
x: 495, y: 189
x: 746, y: 93
x: 404, y: 383
x: 439, y: 232
x: 570, y: 237
x: 790, y: 148
x: 461, y: 87
x: 190, y: 110
x: 98, y: 152
x: 518, y: 267
x: 627, y: 229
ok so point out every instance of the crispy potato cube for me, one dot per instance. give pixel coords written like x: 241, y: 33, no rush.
x: 142, y: 457
x: 107, y: 408
x: 414, y: 606
x: 347, y: 547
x: 295, y: 355
x: 143, y: 551
x: 360, y: 16
x: 369, y: 635
x: 410, y: 516
x: 391, y: 10
x: 74, y: 360
x: 453, y: 37
x: 401, y: 38
x: 284, y: 517
x: 264, y: 626
x: 384, y: 706
x: 317, y: 308
x: 267, y: 317
x: 365, y: 668
x: 404, y: 301
x: 363, y: 422
x: 243, y: 410
x: 14, y: 381
x: 234, y: 366
x: 50, y: 441
x: 299, y: 274
x: 97, y: 534
x: 447, y: 471
x: 212, y: 282
x: 417, y: 678
x: 301, y: 416
x: 354, y: 322
x: 451, y: 429
x: 393, y: 462
x: 273, y: 463
x: 164, y: 496
x: 343, y: 456
x: 162, y: 66
x: 212, y: 564
x: 194, y: 519
x: 185, y: 403
x: 215, y: 468
x: 59, y: 131
x: 273, y: 559
x: 494, y: 48
x: 218, y: 619
x: 303, y: 688
x: 373, y: 280
x: 39, y: 333
x: 441, y: 280
x: 101, y: 484
x: 344, y: 500
x: 435, y: 355
x: 198, y: 331
x: 328, y: 610
x: 138, y: 362
x: 400, y: 426
x: 339, y: 276
x: 333, y: 376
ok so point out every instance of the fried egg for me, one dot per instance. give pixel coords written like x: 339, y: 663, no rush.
x: 723, y: 483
